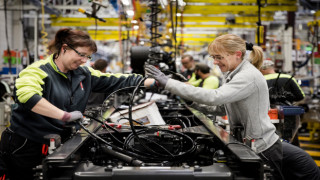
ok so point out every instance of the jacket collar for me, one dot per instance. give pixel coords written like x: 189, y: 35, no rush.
x: 229, y: 75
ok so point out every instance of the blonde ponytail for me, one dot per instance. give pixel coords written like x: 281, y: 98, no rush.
x: 256, y: 56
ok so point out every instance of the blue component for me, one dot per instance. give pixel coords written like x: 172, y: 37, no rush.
x: 5, y: 70
x: 292, y: 110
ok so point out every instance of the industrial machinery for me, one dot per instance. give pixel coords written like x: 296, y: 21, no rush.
x: 185, y: 145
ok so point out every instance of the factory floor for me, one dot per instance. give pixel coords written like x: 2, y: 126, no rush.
x: 308, y: 144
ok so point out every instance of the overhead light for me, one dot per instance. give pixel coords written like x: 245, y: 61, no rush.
x: 135, y: 27
x: 125, y: 2
x: 164, y: 4
x: 181, y: 3
x: 130, y: 13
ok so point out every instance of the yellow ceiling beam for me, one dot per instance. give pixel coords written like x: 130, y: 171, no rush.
x: 235, y: 9
x: 106, y: 37
x: 103, y: 32
x: 243, y: 1
x: 246, y: 19
x: 221, y: 26
x: 81, y: 19
x: 192, y: 43
x: 197, y: 35
x: 196, y: 39
x: 314, y: 23
x: 202, y: 19
x: 72, y: 21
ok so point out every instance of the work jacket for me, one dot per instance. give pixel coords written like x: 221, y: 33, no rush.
x: 245, y: 98
x: 67, y: 91
x: 285, y: 82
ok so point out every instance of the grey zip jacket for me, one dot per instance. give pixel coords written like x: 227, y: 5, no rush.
x: 245, y: 97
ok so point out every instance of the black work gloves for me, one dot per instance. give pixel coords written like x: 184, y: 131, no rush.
x: 153, y: 72
x: 72, y: 116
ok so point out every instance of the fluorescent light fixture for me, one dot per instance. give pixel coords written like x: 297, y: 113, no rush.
x: 125, y: 2
x: 181, y: 3
x: 164, y: 4
x: 130, y: 13
x: 135, y: 27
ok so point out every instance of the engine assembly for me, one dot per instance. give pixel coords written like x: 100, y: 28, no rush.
x: 189, y: 145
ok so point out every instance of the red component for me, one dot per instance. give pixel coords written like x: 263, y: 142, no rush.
x: 3, y: 177
x: 45, y: 149
x: 176, y: 126
x: 119, y: 126
x: 110, y: 124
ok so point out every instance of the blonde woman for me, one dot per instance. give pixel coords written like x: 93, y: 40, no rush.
x: 244, y: 96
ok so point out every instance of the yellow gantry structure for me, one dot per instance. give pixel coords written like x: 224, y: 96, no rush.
x: 210, y: 15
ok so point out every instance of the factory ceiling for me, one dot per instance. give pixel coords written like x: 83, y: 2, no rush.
x: 193, y: 22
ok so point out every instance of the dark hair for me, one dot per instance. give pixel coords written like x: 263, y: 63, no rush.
x: 203, y: 68
x: 74, y: 38
x: 187, y: 56
x: 100, y: 64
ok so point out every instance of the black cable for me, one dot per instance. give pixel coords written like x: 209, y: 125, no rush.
x: 25, y: 33
x: 125, y: 88
x: 101, y: 122
x: 184, y: 79
x: 163, y: 156
x: 131, y: 119
x: 7, y: 39
x: 116, y: 148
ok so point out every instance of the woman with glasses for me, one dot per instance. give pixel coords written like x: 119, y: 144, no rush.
x: 244, y: 96
x: 50, y: 95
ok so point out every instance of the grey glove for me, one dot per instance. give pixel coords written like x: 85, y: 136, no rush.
x: 153, y: 72
x: 72, y: 116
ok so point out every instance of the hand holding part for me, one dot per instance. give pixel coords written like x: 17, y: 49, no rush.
x: 155, y: 73
x: 72, y: 116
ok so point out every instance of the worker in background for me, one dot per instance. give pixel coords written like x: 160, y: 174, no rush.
x: 189, y: 65
x: 208, y: 81
x: 244, y: 96
x: 284, y: 88
x: 100, y: 65
x: 97, y: 98
x: 50, y: 95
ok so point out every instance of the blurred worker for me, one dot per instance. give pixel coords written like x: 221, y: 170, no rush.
x: 208, y: 81
x: 189, y: 65
x: 50, y: 95
x: 283, y: 88
x: 100, y: 65
x: 97, y: 98
x: 244, y: 96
